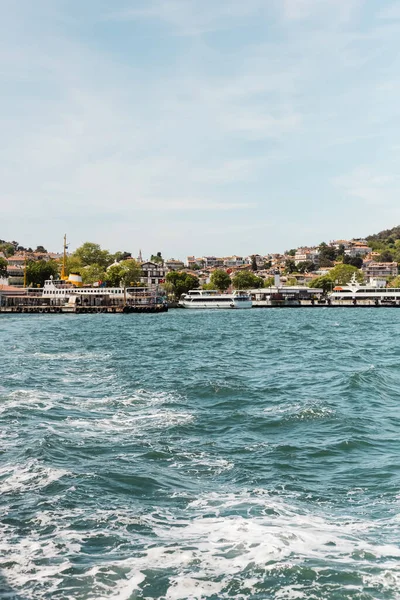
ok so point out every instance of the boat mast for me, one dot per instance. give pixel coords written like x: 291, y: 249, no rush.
x: 64, y: 263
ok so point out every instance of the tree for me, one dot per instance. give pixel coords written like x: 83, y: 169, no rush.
x: 291, y: 281
x: 157, y: 258
x: 8, y: 248
x: 254, y: 263
x: 325, y: 262
x: 395, y: 283
x: 41, y: 249
x: 131, y: 272
x: 92, y: 254
x: 244, y: 280
x: 290, y: 266
x: 386, y: 256
x: 38, y: 271
x: 326, y: 253
x: 3, y: 267
x: 73, y: 265
x: 220, y: 280
x: 269, y: 282
x: 93, y: 274
x: 355, y: 261
x: 324, y: 282
x: 342, y: 274
x: 113, y: 275
x: 291, y: 252
x: 305, y: 266
x: 182, y: 282
x: 118, y: 256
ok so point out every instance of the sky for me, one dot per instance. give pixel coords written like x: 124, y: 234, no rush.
x: 198, y: 127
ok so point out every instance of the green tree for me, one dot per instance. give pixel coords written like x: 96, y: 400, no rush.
x: 181, y: 282
x: 305, y: 266
x: 38, y: 271
x: 92, y: 274
x: 290, y: 266
x: 269, y: 282
x: 386, y: 256
x: 342, y: 274
x: 395, y: 283
x: 3, y: 267
x: 131, y: 272
x: 244, y: 280
x: 325, y: 262
x: 254, y: 263
x: 118, y: 256
x: 220, y: 280
x: 291, y: 252
x: 41, y: 249
x: 73, y: 265
x: 157, y: 258
x: 326, y: 253
x: 291, y: 281
x: 324, y: 282
x: 114, y: 274
x: 92, y: 254
x: 8, y: 248
x: 355, y: 261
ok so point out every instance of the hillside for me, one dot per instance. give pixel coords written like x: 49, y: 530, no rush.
x: 387, y: 242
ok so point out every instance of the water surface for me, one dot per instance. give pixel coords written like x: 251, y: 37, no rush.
x: 200, y: 454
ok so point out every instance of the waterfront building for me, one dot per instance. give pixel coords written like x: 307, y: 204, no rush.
x: 153, y: 274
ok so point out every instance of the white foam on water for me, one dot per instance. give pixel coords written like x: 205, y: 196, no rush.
x: 28, y: 477
x: 30, y: 399
x: 220, y: 548
x: 192, y: 460
x: 218, y: 539
x: 73, y: 356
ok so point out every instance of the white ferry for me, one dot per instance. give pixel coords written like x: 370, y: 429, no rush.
x: 214, y: 299
x: 365, y: 294
x: 74, y: 293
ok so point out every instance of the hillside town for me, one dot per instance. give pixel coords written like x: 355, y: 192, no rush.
x: 303, y: 266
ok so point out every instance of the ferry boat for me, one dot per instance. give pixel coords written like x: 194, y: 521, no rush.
x: 61, y: 292
x: 196, y: 299
x: 355, y: 292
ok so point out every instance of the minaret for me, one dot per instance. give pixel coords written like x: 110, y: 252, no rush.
x: 140, y: 257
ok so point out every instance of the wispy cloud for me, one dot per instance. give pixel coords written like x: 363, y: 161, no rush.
x: 209, y: 114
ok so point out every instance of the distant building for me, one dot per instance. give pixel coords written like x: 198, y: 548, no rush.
x: 234, y: 261
x: 192, y: 262
x: 153, y: 274
x: 212, y: 261
x: 174, y: 265
x: 379, y: 269
x: 357, y: 249
x: 306, y: 255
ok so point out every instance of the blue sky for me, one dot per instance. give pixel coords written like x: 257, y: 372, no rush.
x: 198, y: 126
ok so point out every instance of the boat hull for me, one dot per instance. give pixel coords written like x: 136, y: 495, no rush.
x: 232, y: 304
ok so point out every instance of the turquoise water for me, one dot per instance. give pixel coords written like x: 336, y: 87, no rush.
x: 232, y: 454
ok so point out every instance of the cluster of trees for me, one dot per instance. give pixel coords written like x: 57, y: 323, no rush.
x: 339, y: 275
x: 95, y: 264
x: 179, y: 282
x: 37, y: 271
x: 10, y: 248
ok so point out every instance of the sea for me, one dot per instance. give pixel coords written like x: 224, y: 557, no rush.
x: 201, y: 455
